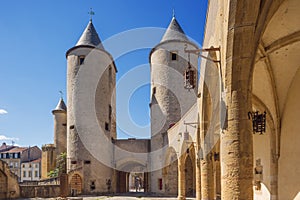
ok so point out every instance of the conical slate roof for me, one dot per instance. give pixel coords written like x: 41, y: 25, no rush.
x: 61, y: 106
x: 90, y: 37
x: 174, y: 32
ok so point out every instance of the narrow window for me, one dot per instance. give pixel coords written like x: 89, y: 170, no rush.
x: 160, y: 184
x: 29, y: 174
x: 81, y: 60
x: 173, y: 56
x: 109, y: 74
x: 109, y: 116
x: 73, y: 162
x: 109, y: 112
x: 106, y: 126
x: 36, y: 173
x: 153, y: 90
x: 24, y: 173
x: 87, y: 162
x: 92, y: 186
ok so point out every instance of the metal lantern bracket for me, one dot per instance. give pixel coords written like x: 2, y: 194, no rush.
x: 200, y: 51
x: 192, y: 124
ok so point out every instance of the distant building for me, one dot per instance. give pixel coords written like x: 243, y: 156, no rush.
x: 15, y: 156
x: 5, y: 147
x: 31, y: 170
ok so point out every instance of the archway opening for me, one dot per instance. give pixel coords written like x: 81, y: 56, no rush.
x: 76, y: 185
x: 136, y: 182
x: 132, y: 178
x: 190, y: 185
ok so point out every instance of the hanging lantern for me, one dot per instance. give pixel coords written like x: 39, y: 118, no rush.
x: 258, y: 121
x: 189, y: 76
x: 186, y: 136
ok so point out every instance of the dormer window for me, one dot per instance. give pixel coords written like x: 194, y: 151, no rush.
x: 173, y: 56
x: 81, y: 60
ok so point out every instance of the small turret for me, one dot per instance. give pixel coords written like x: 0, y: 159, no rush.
x: 60, y: 127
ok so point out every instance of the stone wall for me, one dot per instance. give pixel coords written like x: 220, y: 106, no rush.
x: 9, y: 187
x: 44, y: 191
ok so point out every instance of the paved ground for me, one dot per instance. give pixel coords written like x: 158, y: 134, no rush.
x: 111, y: 198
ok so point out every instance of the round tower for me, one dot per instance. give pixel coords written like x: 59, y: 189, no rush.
x: 169, y: 99
x: 83, y: 165
x: 60, y: 127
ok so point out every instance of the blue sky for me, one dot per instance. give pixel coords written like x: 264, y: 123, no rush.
x: 34, y: 36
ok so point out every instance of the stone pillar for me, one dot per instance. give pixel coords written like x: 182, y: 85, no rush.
x: 198, y: 178
x: 217, y: 190
x: 206, y: 177
x: 274, y: 177
x: 237, y: 145
x: 206, y: 138
x: 181, y: 178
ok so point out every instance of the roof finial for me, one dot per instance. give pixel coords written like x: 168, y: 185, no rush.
x: 61, y: 94
x: 173, y: 12
x: 91, y: 13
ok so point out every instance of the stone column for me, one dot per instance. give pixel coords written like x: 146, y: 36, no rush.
x: 237, y: 145
x: 181, y: 178
x: 206, y: 177
x: 274, y: 177
x: 239, y: 56
x: 206, y: 148
x: 198, y: 176
x: 217, y: 190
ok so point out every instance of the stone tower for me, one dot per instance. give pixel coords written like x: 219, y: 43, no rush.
x: 48, y: 159
x: 87, y: 172
x: 60, y: 127
x: 169, y: 99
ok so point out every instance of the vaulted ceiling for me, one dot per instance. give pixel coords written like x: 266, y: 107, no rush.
x: 278, y: 57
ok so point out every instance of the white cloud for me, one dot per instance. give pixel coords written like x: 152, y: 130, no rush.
x: 3, y: 137
x: 2, y: 112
